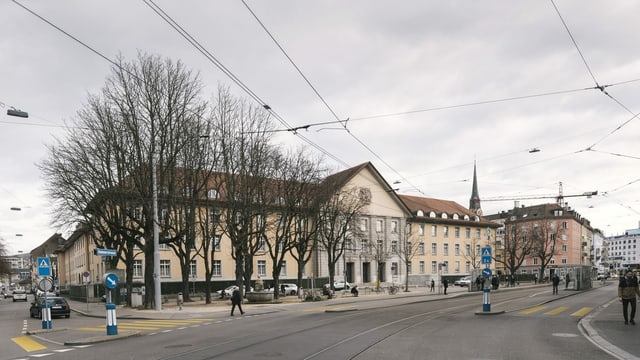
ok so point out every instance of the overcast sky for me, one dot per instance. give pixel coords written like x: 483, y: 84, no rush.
x: 428, y: 87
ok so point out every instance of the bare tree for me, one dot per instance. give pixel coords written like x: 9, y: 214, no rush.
x: 473, y: 253
x: 544, y: 239
x: 381, y: 252
x: 137, y: 123
x: 5, y: 267
x: 339, y: 211
x: 408, y: 249
x: 517, y: 246
x: 293, y: 189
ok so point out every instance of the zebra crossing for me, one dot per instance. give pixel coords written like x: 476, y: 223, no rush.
x: 151, y: 325
x: 556, y: 311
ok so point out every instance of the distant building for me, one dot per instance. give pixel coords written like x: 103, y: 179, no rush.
x: 624, y: 250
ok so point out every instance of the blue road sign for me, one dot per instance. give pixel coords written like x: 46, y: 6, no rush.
x: 486, y: 255
x: 486, y: 272
x: 110, y: 281
x: 44, y: 266
x: 105, y: 252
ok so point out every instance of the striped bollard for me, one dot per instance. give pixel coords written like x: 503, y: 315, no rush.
x: 112, y: 325
x: 46, y: 315
x: 486, y: 303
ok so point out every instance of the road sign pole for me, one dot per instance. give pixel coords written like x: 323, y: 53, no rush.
x: 46, y: 315
x: 112, y: 322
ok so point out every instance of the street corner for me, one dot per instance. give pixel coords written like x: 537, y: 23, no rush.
x: 101, y: 338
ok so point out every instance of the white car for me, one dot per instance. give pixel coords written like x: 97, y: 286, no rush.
x: 228, y: 292
x: 19, y: 294
x: 289, y: 289
x: 339, y: 285
x: 464, y: 282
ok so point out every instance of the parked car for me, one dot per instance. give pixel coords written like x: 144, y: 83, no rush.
x: 463, y: 282
x: 339, y: 285
x: 19, y: 294
x: 7, y: 293
x: 228, y: 291
x: 59, y: 307
x: 289, y: 288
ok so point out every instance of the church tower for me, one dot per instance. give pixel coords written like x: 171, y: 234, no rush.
x: 474, y: 202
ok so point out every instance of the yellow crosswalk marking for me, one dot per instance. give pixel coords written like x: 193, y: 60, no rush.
x: 582, y: 312
x: 557, y: 310
x: 149, y: 324
x: 532, y: 310
x: 28, y: 344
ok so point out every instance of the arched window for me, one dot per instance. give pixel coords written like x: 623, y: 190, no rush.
x: 212, y: 194
x: 432, y: 214
x: 444, y: 215
x: 455, y: 217
x: 420, y: 213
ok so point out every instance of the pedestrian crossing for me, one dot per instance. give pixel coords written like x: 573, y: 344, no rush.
x: 556, y: 311
x: 151, y: 325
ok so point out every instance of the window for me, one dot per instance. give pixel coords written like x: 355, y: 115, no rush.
x: 434, y: 249
x: 445, y: 267
x: 564, y: 260
x: 421, y: 265
x: 445, y: 231
x: 394, y: 246
x: 380, y: 246
x: 214, y: 215
x: 378, y: 225
x: 262, y: 244
x: 365, y: 245
x: 394, y: 226
x: 212, y: 194
x: 565, y: 225
x: 434, y: 267
x: 216, y: 243
x: 564, y: 247
x: 535, y: 261
x: 456, y: 232
x: 456, y: 249
x: 193, y: 269
x: 434, y: 230
x: 165, y: 268
x: 467, y: 249
x: 421, y: 248
x: 348, y: 245
x: 457, y: 267
x: 364, y: 225
x: 217, y: 268
x: 262, y: 267
x: 283, y: 269
x: 467, y: 267
x: 409, y: 267
x: 137, y: 268
x: 467, y: 233
x: 478, y: 234
x: 394, y: 269
x: 421, y: 230
x: 445, y: 250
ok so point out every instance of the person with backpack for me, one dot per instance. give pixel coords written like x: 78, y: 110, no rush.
x: 555, y: 281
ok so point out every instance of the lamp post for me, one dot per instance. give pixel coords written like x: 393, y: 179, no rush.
x: 156, y: 240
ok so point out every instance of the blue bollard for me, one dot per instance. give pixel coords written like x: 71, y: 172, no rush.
x: 112, y: 325
x: 486, y: 301
x: 46, y: 315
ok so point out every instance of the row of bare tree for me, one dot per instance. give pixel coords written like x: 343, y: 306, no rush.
x: 218, y: 173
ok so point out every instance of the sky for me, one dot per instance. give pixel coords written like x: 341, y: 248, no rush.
x: 428, y: 87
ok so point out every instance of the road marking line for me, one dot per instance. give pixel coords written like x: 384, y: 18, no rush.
x: 532, y: 310
x: 28, y: 344
x: 582, y: 312
x: 557, y: 310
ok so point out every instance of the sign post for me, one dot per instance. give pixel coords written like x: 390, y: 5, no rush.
x: 486, y: 273
x: 110, y: 282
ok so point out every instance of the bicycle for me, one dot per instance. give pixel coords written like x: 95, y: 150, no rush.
x: 393, y: 289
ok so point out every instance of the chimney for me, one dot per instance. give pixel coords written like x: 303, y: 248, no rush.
x: 516, y: 204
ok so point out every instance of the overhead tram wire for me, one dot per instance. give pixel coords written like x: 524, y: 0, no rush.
x: 207, y: 54
x: 342, y: 122
x: 598, y: 86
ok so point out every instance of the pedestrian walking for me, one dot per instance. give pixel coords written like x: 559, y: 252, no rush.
x: 535, y: 278
x: 567, y: 280
x: 555, y: 280
x: 445, y: 285
x: 433, y: 285
x: 627, y: 291
x: 236, y: 300
x: 180, y: 301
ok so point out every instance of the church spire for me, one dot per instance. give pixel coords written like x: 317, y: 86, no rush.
x: 474, y: 202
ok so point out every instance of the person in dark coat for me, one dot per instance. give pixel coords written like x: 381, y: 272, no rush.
x: 627, y: 291
x: 445, y: 285
x: 555, y: 280
x: 236, y: 300
x: 567, y: 280
x: 433, y: 285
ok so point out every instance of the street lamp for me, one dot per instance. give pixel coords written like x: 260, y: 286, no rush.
x: 18, y: 113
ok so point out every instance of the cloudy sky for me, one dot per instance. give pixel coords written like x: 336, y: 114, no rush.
x: 428, y: 87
